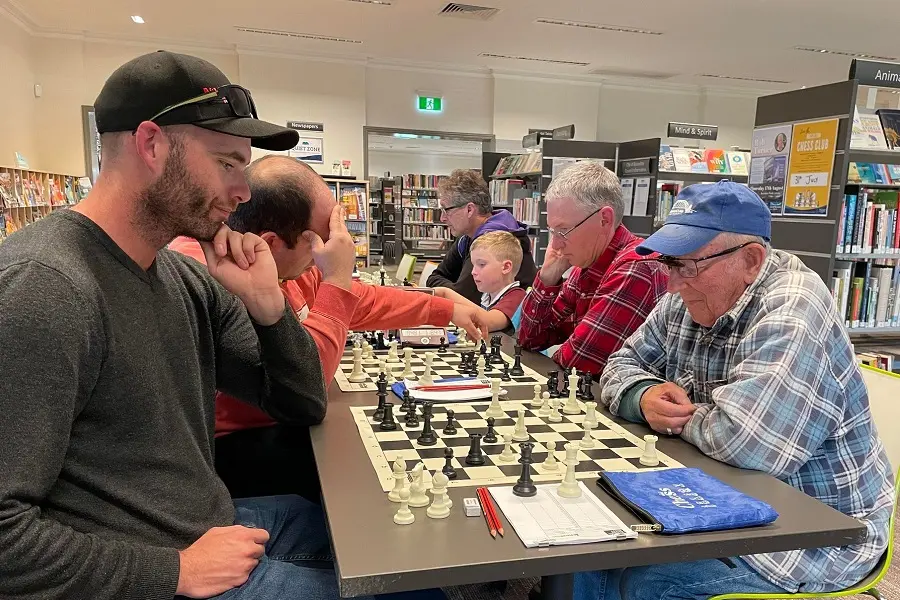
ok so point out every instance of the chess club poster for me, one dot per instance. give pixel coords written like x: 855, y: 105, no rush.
x: 768, y: 165
x: 809, y: 171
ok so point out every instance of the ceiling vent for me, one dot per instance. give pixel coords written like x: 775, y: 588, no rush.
x: 743, y: 78
x: 841, y: 53
x: 379, y: 2
x: 581, y: 25
x: 532, y: 59
x: 295, y: 35
x: 469, y: 11
x: 613, y: 72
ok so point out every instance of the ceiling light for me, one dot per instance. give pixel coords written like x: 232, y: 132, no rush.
x: 532, y: 59
x: 615, y: 28
x: 297, y: 35
x: 137, y: 19
x: 842, y: 53
x: 742, y: 78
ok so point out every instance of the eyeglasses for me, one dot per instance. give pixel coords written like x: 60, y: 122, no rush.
x: 564, y: 235
x: 450, y: 208
x: 237, y: 98
x: 688, y: 267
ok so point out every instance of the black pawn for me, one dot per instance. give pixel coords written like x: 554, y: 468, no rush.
x: 475, y: 456
x: 443, y: 347
x: 587, y: 382
x: 382, y: 277
x: 427, y: 437
x: 448, y: 469
x: 412, y: 419
x: 553, y: 384
x: 505, y: 375
x: 450, y: 428
x: 404, y: 408
x: 525, y: 486
x: 517, y: 370
x: 491, y: 436
x: 388, y: 423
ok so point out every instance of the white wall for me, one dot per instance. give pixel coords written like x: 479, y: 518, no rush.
x: 399, y: 163
x: 524, y: 103
x: 735, y: 116
x: 17, y: 101
x: 627, y: 113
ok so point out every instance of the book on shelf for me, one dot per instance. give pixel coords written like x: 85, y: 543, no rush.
x: 867, y: 132
x: 528, y: 209
x: 425, y: 232
x: 868, y: 223
x: 666, y: 158
x: 890, y: 123
x: 354, y: 201
x: 420, y: 181
x: 738, y: 162
x: 866, y: 293
x: 711, y: 160
x: 422, y: 215
x: 514, y: 164
x: 503, y: 190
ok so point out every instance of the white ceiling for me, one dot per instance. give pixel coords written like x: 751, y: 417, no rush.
x: 739, y: 38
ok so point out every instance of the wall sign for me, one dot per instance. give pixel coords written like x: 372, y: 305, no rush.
x: 306, y: 126
x: 532, y: 139
x: 870, y: 72
x: 309, y: 150
x: 430, y: 103
x: 635, y: 166
x: 768, y: 165
x: 567, y: 132
x: 693, y: 131
x: 811, y: 164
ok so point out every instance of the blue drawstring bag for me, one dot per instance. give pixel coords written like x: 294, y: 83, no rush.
x: 684, y: 500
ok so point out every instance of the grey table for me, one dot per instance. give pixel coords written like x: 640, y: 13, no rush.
x: 374, y: 556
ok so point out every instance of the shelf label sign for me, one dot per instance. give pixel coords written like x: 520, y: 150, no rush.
x: 693, y: 132
x: 635, y: 166
x: 813, y: 146
x: 875, y: 73
x: 768, y: 165
x: 431, y: 103
x: 306, y: 126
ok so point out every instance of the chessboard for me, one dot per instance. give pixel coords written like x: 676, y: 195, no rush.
x: 615, y: 448
x: 445, y: 365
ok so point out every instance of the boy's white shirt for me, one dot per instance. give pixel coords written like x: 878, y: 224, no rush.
x: 488, y: 300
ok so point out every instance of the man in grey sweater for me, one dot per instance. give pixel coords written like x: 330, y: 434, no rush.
x: 111, y: 351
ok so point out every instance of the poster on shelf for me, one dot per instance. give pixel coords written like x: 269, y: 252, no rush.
x: 641, y: 197
x: 627, y: 193
x: 768, y: 165
x: 809, y: 173
x: 309, y: 150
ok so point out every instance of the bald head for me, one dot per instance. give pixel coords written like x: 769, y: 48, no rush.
x: 285, y: 195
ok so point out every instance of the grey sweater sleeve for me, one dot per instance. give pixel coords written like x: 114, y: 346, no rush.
x: 51, y: 350
x: 276, y: 368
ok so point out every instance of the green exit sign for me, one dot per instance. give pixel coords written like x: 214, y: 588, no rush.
x: 431, y: 104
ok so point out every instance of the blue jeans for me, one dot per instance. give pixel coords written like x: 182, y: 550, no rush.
x: 298, y: 563
x: 677, y: 581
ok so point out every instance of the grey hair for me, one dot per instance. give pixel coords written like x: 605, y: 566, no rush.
x: 736, y: 239
x: 464, y: 186
x: 591, y: 185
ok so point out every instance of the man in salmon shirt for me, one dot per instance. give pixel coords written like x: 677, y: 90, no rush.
x: 294, y: 211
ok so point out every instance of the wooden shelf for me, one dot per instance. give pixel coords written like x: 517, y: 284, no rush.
x: 884, y: 157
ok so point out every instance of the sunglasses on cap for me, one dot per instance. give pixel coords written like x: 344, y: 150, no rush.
x: 233, y: 96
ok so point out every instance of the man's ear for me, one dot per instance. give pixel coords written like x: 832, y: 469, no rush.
x: 607, y: 216
x: 272, y: 239
x: 754, y: 257
x: 151, y: 145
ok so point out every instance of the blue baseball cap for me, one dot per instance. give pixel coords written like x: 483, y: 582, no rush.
x: 703, y: 211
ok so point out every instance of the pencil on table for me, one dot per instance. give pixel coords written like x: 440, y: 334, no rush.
x: 487, y: 517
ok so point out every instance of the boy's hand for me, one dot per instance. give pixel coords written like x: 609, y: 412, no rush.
x: 473, y: 319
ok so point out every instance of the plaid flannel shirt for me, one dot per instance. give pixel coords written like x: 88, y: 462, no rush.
x: 596, y: 309
x: 777, y: 390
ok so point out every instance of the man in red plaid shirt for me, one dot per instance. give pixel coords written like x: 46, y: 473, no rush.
x: 610, y: 291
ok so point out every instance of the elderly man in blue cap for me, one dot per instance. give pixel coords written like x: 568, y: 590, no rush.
x: 747, y: 359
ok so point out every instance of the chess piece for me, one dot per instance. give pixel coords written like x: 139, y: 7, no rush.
x: 382, y: 368
x: 479, y: 367
x: 357, y: 375
x: 565, y: 381
x: 483, y: 348
x: 439, y: 508
x: 554, y: 416
x: 427, y: 378
x: 588, y: 440
x: 571, y: 407
x: 417, y: 496
x: 536, y: 401
x: 569, y: 487
x: 399, y: 480
x: 392, y: 356
x: 443, y: 346
x: 505, y: 375
x: 369, y: 354
x: 496, y: 342
x: 381, y: 384
x: 448, y: 469
x: 404, y: 516
x: 521, y: 432
x: 404, y: 406
x: 545, y: 405
x: 495, y: 410
x: 412, y: 419
x: 388, y: 423
x: 587, y: 385
x: 383, y: 275
x: 508, y: 454
x: 649, y: 457
x: 590, y: 415
x: 406, y: 282
x: 475, y: 456
x: 553, y: 384
x: 550, y: 463
x: 450, y: 428
x: 517, y: 370
x: 491, y: 436
x: 407, y: 365
x: 427, y: 437
x: 525, y: 486
x: 379, y: 341
x: 461, y: 341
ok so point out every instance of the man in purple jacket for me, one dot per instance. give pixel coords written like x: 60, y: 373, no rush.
x: 466, y: 207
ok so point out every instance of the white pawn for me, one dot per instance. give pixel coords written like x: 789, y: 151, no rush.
x: 369, y: 354
x: 545, y: 405
x: 417, y: 496
x: 407, y: 364
x: 357, y: 375
x: 536, y: 401
x: 587, y: 441
x: 495, y: 410
x: 399, y: 480
x: 590, y: 415
x: 479, y: 366
x: 382, y: 368
x: 439, y: 508
x: 427, y: 378
x: 508, y: 454
x: 554, y: 417
x: 569, y: 487
x: 521, y: 432
x: 404, y: 516
x: 392, y: 356
x: 649, y: 457
x: 571, y: 407
x: 550, y: 463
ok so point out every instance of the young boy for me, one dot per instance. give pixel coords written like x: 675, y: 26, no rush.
x: 496, y: 258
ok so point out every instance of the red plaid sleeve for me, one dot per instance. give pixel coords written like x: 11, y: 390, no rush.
x: 547, y: 315
x: 625, y: 297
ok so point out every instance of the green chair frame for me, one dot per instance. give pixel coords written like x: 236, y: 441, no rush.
x: 865, y: 587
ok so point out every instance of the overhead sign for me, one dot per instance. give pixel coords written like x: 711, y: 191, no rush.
x: 635, y: 166
x: 566, y: 132
x: 431, y: 103
x: 693, y: 131
x: 306, y: 126
x: 532, y: 139
x: 877, y: 73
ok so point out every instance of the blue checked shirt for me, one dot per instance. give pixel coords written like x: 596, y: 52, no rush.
x: 778, y: 391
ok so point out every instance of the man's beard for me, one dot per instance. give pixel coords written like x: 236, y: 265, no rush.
x: 175, y: 204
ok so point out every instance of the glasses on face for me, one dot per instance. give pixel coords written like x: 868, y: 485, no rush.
x: 448, y: 209
x: 689, y: 267
x: 564, y: 235
x: 237, y: 98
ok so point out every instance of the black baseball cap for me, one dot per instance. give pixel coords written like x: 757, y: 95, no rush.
x: 144, y: 87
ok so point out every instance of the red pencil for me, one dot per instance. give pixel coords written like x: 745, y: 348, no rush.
x: 451, y: 388
x: 494, y: 514
x: 487, y: 516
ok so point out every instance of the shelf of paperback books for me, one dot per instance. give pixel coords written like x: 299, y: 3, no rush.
x: 28, y: 195
x: 354, y: 197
